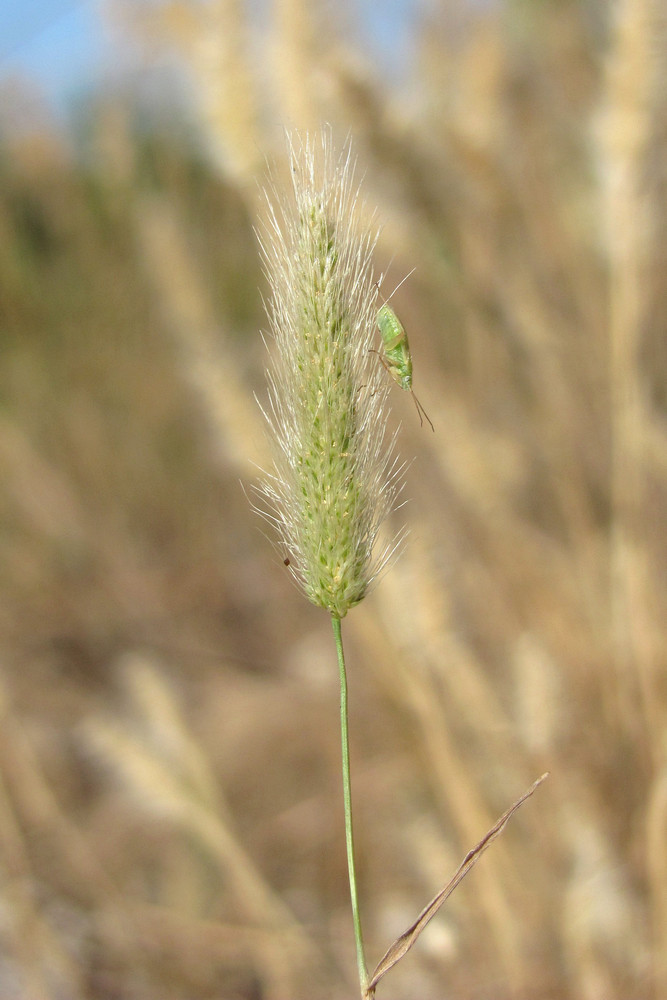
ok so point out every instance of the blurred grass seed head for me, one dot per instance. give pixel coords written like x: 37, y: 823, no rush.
x: 335, y: 476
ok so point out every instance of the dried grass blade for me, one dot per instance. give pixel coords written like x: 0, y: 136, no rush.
x: 403, y: 943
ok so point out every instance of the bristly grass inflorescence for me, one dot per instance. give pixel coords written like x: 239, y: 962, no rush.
x: 335, y: 477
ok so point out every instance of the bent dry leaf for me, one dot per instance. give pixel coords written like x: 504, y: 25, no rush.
x: 403, y: 943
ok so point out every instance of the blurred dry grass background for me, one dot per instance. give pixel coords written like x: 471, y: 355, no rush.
x: 170, y: 810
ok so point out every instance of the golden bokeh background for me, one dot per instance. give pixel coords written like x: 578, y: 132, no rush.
x: 170, y: 805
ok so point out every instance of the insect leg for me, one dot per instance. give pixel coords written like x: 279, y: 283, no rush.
x: 420, y: 410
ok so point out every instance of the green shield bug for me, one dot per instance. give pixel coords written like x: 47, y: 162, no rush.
x: 396, y: 357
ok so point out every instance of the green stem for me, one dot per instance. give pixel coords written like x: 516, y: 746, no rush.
x: 347, y: 798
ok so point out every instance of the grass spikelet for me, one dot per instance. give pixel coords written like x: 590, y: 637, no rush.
x: 335, y: 478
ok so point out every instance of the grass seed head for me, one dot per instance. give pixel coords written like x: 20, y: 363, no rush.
x: 335, y: 478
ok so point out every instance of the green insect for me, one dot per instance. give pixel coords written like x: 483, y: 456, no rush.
x: 396, y: 356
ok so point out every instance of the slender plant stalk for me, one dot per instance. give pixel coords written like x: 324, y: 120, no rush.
x: 347, y: 799
x: 335, y: 478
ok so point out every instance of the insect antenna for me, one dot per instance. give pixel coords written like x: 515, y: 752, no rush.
x: 390, y: 297
x: 420, y: 410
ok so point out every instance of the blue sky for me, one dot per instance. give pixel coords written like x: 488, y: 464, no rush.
x: 63, y: 44
x: 58, y: 43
